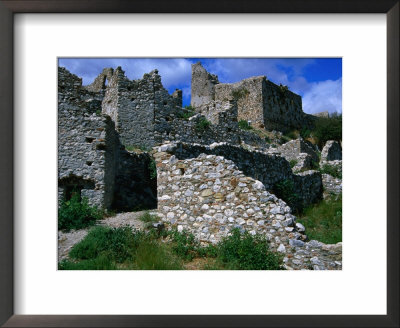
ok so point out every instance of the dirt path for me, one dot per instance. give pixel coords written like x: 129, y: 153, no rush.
x: 66, y: 240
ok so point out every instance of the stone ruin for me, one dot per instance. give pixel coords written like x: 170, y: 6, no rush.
x: 259, y: 101
x: 208, y: 180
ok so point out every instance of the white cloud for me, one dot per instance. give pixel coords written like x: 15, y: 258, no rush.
x: 323, y: 96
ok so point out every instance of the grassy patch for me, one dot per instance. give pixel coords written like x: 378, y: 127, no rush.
x: 186, y: 112
x: 323, y: 221
x: 242, y: 251
x: 285, y: 190
x: 137, y: 148
x: 293, y: 163
x: 107, y: 248
x: 153, y: 169
x: 244, y: 125
x: 121, y: 248
x: 240, y: 93
x: 76, y: 213
x: 331, y: 170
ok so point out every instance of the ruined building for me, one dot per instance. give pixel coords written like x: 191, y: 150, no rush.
x: 259, y: 101
x: 100, y: 124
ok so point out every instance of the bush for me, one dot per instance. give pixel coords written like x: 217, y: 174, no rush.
x: 284, y: 190
x: 107, y: 248
x: 186, y: 112
x: 246, y: 252
x: 153, y: 169
x: 244, y: 125
x: 77, y: 214
x: 240, y: 93
x: 202, y: 125
x: 184, y: 244
x: 323, y: 221
x: 332, y: 170
x: 148, y: 218
x: 115, y: 243
x: 293, y: 163
x: 137, y: 148
x: 328, y: 128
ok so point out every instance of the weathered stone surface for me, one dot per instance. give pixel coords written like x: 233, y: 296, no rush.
x: 332, y: 151
x: 259, y: 101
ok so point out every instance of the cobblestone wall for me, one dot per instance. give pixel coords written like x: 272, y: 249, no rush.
x: 208, y: 196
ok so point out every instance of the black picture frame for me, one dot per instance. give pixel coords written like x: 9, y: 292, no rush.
x: 10, y: 7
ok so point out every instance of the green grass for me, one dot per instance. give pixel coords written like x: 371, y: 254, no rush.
x: 153, y: 169
x: 187, y: 112
x: 244, y: 125
x: 137, y: 148
x: 121, y: 248
x: 242, y: 251
x: 323, y: 221
x: 107, y: 248
x: 293, y: 163
x: 285, y: 190
x: 76, y: 213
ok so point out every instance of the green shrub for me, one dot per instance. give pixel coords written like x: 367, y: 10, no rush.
x: 305, y: 133
x: 138, y: 148
x: 153, y: 169
x: 101, y: 262
x: 323, y: 221
x: 283, y: 88
x: 202, y: 125
x: 76, y: 213
x: 115, y: 243
x: 184, y: 244
x: 186, y: 112
x: 267, y: 139
x: 244, y: 125
x: 240, y: 93
x: 331, y: 170
x: 293, y: 163
x: 285, y: 190
x: 152, y: 255
x: 148, y: 218
x: 328, y: 128
x: 246, y: 252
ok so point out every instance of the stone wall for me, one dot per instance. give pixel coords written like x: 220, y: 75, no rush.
x: 208, y: 196
x: 141, y: 109
x: 203, y: 86
x: 86, y: 142
x: 259, y: 100
x: 249, y: 96
x: 292, y: 149
x: 266, y: 166
x: 332, y: 151
x: 91, y: 159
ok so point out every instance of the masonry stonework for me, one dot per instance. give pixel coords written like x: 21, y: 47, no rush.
x: 210, y: 177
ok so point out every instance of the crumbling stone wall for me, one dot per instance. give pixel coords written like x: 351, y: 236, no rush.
x: 203, y: 85
x: 208, y: 196
x: 91, y: 159
x: 332, y: 151
x: 86, y: 152
x: 293, y: 148
x: 259, y: 100
x: 265, y: 166
x: 141, y: 109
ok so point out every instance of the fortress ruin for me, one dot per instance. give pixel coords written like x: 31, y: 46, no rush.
x: 103, y: 126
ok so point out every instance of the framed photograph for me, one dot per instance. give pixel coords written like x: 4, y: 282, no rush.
x: 73, y: 89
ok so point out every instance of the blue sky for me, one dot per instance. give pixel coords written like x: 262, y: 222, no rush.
x: 317, y: 80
